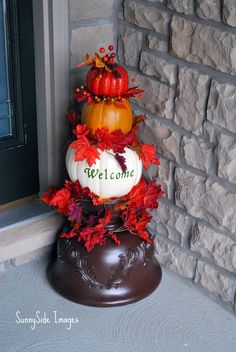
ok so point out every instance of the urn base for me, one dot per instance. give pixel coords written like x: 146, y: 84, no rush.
x: 107, y: 276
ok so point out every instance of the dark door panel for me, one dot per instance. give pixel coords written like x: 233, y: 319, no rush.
x: 18, y: 126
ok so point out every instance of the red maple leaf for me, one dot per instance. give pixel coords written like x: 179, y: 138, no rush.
x: 147, y: 154
x: 135, y: 204
x: 96, y: 199
x: 75, y: 189
x: 106, y: 219
x: 70, y: 234
x: 84, y: 150
x: 81, y: 130
x: 135, y: 198
x: 47, y: 196
x: 152, y: 194
x: 141, y: 196
x: 143, y: 221
x: 103, y: 138
x: 80, y: 97
x: 93, y: 235
x: 61, y: 201
x: 131, y: 92
x: 121, y: 140
x: 136, y: 221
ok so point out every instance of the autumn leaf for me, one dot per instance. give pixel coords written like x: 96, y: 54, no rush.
x: 147, y: 154
x: 75, y: 212
x: 121, y: 140
x: 91, y: 237
x: 89, y: 60
x: 131, y: 92
x: 137, y: 194
x: 152, y: 194
x: 96, y: 199
x: 81, y: 130
x: 70, y: 234
x: 103, y: 138
x: 91, y: 229
x: 74, y: 188
x: 95, y: 235
x: 122, y: 161
x: 72, y: 116
x: 141, y: 196
x: 99, y: 63
x: 136, y: 221
x: 61, y: 201
x: 106, y: 219
x: 84, y: 150
x: 79, y: 97
x: 47, y: 196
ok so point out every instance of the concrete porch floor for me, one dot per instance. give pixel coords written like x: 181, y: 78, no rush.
x: 175, y: 318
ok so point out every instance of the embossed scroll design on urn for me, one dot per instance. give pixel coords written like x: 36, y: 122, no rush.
x: 109, y: 275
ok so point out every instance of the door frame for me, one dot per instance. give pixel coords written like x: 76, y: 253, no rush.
x: 51, y: 39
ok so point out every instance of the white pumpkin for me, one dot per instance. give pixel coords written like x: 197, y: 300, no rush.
x: 105, y: 178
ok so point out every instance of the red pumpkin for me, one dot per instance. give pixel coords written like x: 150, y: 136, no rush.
x: 112, y: 84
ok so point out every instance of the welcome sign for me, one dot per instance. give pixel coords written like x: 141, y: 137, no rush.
x: 105, y: 178
x: 106, y: 175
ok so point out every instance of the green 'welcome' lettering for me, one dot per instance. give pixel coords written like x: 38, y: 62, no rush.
x: 105, y: 174
x: 92, y: 173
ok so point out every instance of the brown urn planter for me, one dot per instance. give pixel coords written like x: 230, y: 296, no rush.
x: 109, y: 275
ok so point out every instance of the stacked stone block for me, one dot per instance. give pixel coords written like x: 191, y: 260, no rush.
x: 183, y: 54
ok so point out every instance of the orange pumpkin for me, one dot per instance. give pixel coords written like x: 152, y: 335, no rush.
x: 98, y: 115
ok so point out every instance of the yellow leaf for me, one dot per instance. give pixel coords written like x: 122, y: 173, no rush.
x: 89, y: 60
x: 99, y: 63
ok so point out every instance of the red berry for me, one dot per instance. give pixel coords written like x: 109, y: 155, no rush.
x: 106, y: 58
x: 111, y: 47
x: 112, y: 55
x: 102, y: 50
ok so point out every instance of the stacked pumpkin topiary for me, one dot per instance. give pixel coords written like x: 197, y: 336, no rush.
x: 107, y: 201
x: 106, y: 107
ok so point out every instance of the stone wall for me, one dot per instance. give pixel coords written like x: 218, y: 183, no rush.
x: 183, y: 54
